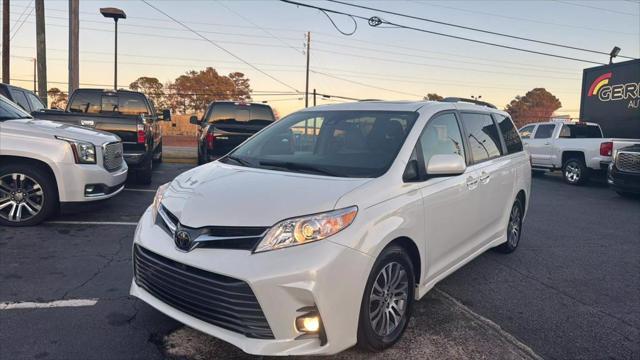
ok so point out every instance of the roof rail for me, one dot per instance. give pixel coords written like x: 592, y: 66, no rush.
x: 364, y: 100
x: 477, y: 102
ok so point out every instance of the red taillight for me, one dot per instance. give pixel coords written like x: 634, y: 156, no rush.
x: 606, y: 148
x: 210, y: 139
x: 142, y: 135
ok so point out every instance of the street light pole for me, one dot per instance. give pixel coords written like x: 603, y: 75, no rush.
x: 115, y: 14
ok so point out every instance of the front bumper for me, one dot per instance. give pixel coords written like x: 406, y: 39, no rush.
x: 323, y: 274
x: 623, y: 181
x: 73, y: 180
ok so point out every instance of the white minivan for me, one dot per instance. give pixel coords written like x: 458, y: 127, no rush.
x: 323, y: 229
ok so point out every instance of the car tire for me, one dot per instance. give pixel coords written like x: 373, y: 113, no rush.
x: 143, y: 176
x: 514, y: 229
x: 575, y: 172
x: 158, y: 158
x: 382, y: 298
x: 31, y: 177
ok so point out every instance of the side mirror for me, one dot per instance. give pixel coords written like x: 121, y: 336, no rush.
x: 194, y: 120
x: 446, y: 165
x: 166, y: 115
x: 411, y: 173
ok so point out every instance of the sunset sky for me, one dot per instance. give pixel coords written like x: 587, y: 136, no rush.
x: 383, y: 63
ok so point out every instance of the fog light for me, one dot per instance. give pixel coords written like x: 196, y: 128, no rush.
x: 308, y: 323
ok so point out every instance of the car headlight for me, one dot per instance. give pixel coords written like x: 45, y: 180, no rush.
x: 83, y: 152
x: 306, y: 229
x: 157, y: 200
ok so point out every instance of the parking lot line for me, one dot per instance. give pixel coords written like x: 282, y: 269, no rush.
x: 46, y: 305
x: 140, y: 190
x: 122, y: 223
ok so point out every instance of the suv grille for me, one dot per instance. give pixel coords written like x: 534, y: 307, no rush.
x: 628, y: 161
x: 216, y: 299
x: 112, y: 157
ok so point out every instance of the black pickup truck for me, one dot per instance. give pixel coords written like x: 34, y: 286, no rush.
x: 227, y: 124
x: 128, y: 114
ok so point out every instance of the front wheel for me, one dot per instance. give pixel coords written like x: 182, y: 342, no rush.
x: 514, y: 228
x: 387, y: 301
x: 28, y: 195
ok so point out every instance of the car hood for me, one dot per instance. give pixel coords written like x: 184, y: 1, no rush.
x: 49, y: 129
x: 218, y: 194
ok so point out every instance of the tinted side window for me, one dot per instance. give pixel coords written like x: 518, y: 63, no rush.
x: 86, y: 102
x: 509, y: 134
x: 482, y: 136
x: 580, y: 132
x: 544, y: 131
x: 21, y: 99
x: 36, y: 103
x: 525, y: 132
x: 132, y: 104
x: 441, y: 136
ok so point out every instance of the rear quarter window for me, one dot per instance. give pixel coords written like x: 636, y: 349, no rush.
x: 509, y: 134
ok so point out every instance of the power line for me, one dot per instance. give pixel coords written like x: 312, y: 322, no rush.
x: 363, y: 84
x: 22, y: 23
x: 596, y: 8
x: 474, y: 29
x: 220, y: 47
x: 380, y: 21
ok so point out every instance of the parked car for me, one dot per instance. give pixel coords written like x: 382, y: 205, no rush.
x: 227, y: 124
x: 44, y: 164
x: 624, y: 171
x: 27, y: 99
x: 322, y: 230
x: 128, y: 114
x: 576, y: 148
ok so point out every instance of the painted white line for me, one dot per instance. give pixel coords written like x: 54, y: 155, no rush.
x: 52, y: 304
x: 490, y: 324
x: 141, y: 190
x: 121, y: 223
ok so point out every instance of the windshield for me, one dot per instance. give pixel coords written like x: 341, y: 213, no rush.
x: 10, y: 111
x: 336, y: 143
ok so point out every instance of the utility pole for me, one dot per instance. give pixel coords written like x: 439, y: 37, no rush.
x: 35, y: 71
x: 306, y: 91
x: 314, y: 97
x: 5, y: 42
x: 41, y: 52
x: 74, y: 49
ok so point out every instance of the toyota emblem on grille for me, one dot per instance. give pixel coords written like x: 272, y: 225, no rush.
x: 183, y: 240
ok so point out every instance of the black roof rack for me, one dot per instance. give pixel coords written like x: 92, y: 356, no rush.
x: 477, y: 102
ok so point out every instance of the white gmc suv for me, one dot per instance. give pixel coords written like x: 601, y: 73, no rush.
x: 44, y: 163
x: 323, y: 229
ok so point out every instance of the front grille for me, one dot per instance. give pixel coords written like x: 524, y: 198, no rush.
x: 112, y: 157
x: 214, y: 237
x: 216, y: 299
x: 628, y: 161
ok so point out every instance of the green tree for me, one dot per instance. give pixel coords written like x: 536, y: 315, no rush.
x: 433, y: 97
x: 58, y: 98
x: 152, y: 87
x: 536, y: 105
x: 242, y: 87
x: 193, y: 91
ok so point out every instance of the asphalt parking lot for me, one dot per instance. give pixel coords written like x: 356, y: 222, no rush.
x: 570, y: 291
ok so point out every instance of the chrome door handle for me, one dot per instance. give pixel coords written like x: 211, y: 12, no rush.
x: 547, y: 143
x: 472, y: 182
x: 485, y: 177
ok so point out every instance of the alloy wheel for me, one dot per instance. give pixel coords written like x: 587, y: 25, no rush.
x: 389, y: 299
x: 515, y: 221
x: 21, y: 197
x: 572, y: 172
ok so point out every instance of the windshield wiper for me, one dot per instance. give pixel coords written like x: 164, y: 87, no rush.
x: 238, y: 160
x: 297, y: 166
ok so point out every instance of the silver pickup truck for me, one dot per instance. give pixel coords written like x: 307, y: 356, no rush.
x: 576, y: 148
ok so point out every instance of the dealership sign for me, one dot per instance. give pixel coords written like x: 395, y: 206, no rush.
x: 628, y: 92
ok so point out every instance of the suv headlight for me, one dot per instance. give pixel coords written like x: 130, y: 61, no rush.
x: 83, y: 152
x: 306, y: 229
x: 157, y: 200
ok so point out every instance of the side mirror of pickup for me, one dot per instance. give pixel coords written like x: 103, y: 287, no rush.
x: 194, y: 120
x: 166, y: 115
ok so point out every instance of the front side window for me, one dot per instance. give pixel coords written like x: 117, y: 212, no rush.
x: 21, y: 99
x: 10, y: 111
x: 336, y: 143
x: 525, y: 132
x: 36, y: 103
x: 441, y: 136
x: 544, y: 131
x: 509, y: 134
x: 482, y: 136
